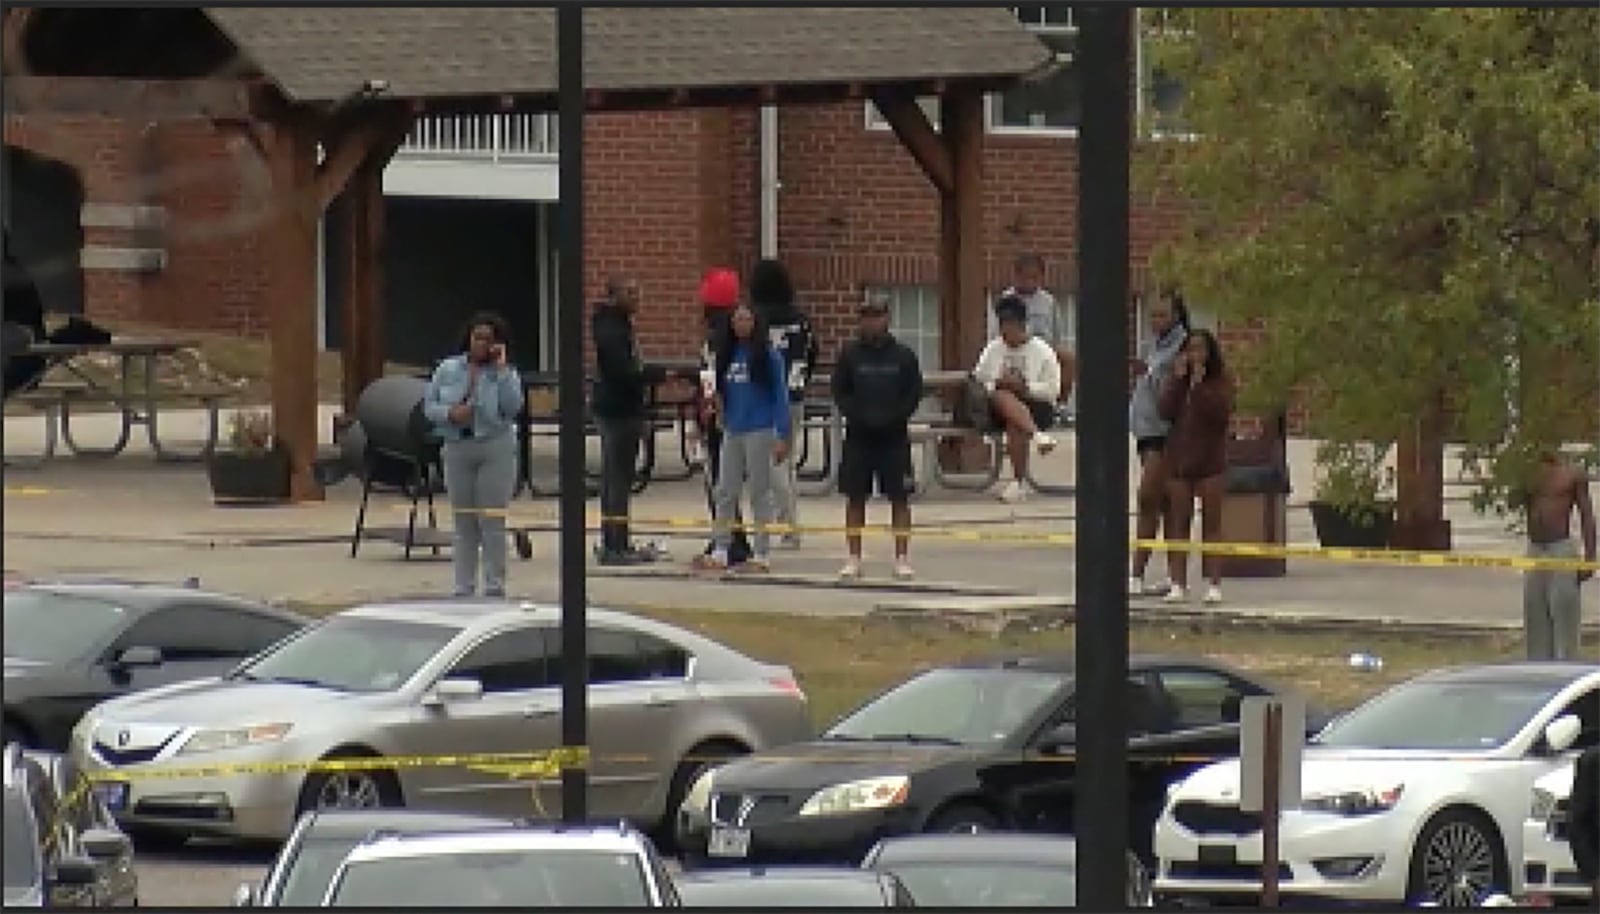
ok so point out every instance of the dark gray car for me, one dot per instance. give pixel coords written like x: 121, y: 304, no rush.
x: 61, y: 849
x: 69, y: 647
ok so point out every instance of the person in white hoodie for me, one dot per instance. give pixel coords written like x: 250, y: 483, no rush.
x: 1022, y: 375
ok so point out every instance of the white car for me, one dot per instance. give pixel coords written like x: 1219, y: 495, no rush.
x: 557, y: 867
x: 1416, y: 796
x: 1548, y: 873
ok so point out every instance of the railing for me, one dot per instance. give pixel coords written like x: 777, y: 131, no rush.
x: 483, y: 137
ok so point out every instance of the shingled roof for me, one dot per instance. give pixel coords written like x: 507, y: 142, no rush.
x: 323, y: 55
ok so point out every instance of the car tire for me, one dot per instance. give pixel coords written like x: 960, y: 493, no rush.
x: 367, y: 789
x: 1457, y: 844
x: 962, y: 818
x: 701, y: 757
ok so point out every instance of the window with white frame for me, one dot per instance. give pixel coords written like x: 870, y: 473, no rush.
x: 914, y: 319
x: 1054, y: 101
x: 1161, y: 92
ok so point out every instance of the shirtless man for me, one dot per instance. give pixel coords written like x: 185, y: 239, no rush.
x: 1551, y: 603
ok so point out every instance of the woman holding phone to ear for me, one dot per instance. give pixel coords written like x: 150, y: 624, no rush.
x: 473, y: 401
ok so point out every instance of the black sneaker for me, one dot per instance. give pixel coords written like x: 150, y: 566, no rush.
x: 616, y: 557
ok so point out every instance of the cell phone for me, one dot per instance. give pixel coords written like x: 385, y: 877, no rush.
x: 497, y: 352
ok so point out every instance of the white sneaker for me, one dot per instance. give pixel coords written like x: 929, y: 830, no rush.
x: 1044, y: 442
x: 902, y: 570
x: 1013, y: 492
x: 1176, y: 594
x: 851, y: 570
x: 1213, y: 595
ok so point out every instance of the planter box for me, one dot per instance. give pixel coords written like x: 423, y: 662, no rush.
x: 249, y: 479
x: 1373, y: 529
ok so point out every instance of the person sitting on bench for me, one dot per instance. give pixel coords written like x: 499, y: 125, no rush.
x: 1022, y: 376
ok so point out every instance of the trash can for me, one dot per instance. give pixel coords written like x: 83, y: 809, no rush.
x: 1255, y: 506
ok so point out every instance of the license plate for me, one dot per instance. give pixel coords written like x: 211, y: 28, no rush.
x: 728, y: 842
x: 113, y: 793
x: 1219, y: 853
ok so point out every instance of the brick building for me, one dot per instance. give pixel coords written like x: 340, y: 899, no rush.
x: 171, y: 228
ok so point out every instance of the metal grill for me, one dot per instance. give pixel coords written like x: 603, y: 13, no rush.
x: 1215, y: 819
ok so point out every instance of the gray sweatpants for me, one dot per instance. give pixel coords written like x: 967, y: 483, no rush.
x: 1551, y: 605
x: 480, y: 474
x: 747, y: 455
x: 786, y: 510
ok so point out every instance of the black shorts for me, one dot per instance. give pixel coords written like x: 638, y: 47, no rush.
x: 884, y: 464
x: 1044, y: 414
x: 1155, y: 443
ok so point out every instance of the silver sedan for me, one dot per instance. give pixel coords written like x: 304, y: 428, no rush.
x: 407, y: 680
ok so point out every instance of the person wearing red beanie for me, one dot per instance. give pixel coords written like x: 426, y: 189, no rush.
x: 719, y: 295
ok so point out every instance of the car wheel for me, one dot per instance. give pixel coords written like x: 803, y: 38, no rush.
x: 962, y: 818
x: 1457, y: 861
x: 706, y: 755
x: 362, y: 789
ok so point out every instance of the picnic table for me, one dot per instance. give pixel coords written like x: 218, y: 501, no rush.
x: 928, y: 429
x: 137, y: 404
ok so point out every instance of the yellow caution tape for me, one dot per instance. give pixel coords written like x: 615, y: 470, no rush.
x: 1406, y: 558
x: 544, y: 764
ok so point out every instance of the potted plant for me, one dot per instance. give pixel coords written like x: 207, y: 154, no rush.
x: 1347, y: 506
x: 254, y: 469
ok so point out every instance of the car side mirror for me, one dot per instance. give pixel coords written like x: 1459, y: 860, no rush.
x: 450, y: 691
x: 1061, y: 739
x: 1561, y: 733
x: 138, y: 655
x: 74, y: 872
x: 244, y: 896
x: 105, y: 844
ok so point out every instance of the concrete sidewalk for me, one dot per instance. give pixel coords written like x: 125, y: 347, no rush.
x: 131, y: 517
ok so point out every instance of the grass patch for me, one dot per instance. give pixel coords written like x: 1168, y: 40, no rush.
x: 841, y: 662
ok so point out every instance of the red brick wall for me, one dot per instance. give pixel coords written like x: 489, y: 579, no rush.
x: 214, y: 277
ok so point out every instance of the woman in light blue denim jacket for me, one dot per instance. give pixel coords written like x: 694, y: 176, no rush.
x: 1169, y: 328
x: 473, y: 401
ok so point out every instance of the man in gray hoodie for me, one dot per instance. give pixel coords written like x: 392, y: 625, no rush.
x: 1169, y: 327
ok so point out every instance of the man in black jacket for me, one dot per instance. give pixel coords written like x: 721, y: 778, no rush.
x: 1583, y: 818
x: 877, y: 386
x: 621, y: 391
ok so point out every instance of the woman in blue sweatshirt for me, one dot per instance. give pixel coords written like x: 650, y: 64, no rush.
x: 753, y: 401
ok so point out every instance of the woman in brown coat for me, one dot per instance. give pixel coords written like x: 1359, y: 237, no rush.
x: 1197, y: 398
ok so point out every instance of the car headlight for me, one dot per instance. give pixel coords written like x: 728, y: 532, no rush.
x: 857, y: 796
x: 1544, y: 803
x: 1361, y: 802
x: 699, y: 796
x: 215, y: 740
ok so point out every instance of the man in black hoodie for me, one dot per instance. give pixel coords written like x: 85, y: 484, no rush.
x: 877, y: 386
x: 621, y: 389
x: 772, y: 293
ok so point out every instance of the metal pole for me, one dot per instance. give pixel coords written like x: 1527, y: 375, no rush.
x: 1101, y: 805
x: 574, y: 595
x: 1272, y: 786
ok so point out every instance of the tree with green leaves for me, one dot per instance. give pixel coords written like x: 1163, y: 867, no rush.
x: 1408, y: 202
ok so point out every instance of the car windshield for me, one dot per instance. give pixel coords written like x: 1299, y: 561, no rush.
x: 975, y: 707
x: 522, y: 878
x: 54, y: 628
x: 352, y: 654
x: 312, y: 869
x: 988, y: 884
x: 1440, y: 715
x: 760, y: 892
x: 21, y: 847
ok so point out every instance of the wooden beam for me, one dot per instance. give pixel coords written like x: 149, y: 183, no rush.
x: 910, y: 125
x: 963, y: 306
x: 361, y: 348
x: 13, y: 59
x: 131, y: 99
x: 291, y: 151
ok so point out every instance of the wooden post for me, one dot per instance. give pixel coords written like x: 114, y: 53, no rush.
x: 1419, y: 482
x: 962, y: 256
x: 362, y: 316
x: 1272, y: 776
x: 291, y: 152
